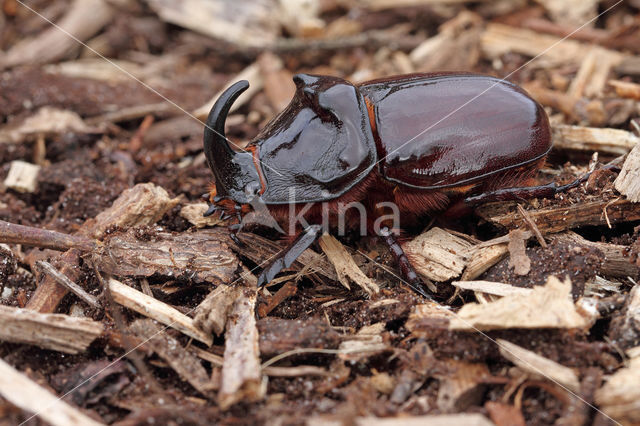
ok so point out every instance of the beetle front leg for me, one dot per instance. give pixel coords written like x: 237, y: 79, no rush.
x: 409, y: 274
x: 286, y: 257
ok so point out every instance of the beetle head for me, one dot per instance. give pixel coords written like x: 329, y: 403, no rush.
x: 236, y: 175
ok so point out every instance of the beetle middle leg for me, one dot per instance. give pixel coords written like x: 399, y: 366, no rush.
x: 409, y: 275
x: 286, y: 257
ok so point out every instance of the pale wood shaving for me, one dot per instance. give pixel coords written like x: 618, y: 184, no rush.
x: 22, y: 176
x: 144, y: 204
x: 46, y: 120
x: 57, y: 332
x: 345, y: 266
x: 482, y: 258
x: 490, y: 287
x: 460, y: 385
x: 194, y: 214
x: 157, y: 310
x: 212, y: 313
x: 620, y: 396
x: 548, y: 306
x: 610, y: 141
x: 628, y: 181
x: 23, y: 392
x: 540, y: 366
x: 83, y: 19
x: 438, y: 254
x: 241, y: 369
x: 518, y: 259
x: 626, y: 89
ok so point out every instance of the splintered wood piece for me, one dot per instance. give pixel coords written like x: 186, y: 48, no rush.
x: 278, y: 81
x: 194, y: 213
x: 499, y: 39
x: 241, y: 369
x: 481, y: 259
x: 438, y: 254
x: 83, y: 19
x: 617, y: 262
x: 573, y: 13
x: 366, y: 342
x: 63, y: 280
x: 259, y: 249
x: 465, y: 419
x: 490, y: 287
x: 593, y: 211
x: 628, y: 181
x: 57, y: 332
x: 610, y: 141
x: 626, y: 89
x: 504, y: 414
x: 533, y: 363
x: 548, y: 306
x: 22, y: 176
x: 252, y: 74
x: 248, y: 25
x: 620, y: 396
x: 345, y: 266
x: 460, y: 385
x: 204, y: 255
x: 591, y: 78
x: 23, y: 392
x: 212, y: 313
x: 157, y: 310
x: 144, y: 204
x: 180, y: 359
x: 278, y: 335
x: 518, y: 259
x: 47, y: 121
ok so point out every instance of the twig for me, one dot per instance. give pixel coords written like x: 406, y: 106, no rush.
x: 13, y: 233
x: 527, y: 218
x: 63, y: 280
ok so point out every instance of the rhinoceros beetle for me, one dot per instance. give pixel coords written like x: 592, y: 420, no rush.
x: 428, y: 143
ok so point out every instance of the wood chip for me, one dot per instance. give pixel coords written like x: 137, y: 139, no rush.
x: 157, y: 310
x: 194, y: 213
x: 83, y: 19
x: 204, y: 256
x: 278, y: 335
x: 628, y: 181
x: 548, y: 306
x: 574, y: 13
x: 609, y: 141
x: 433, y: 420
x: 241, y: 369
x: 481, y: 259
x: 617, y: 262
x: 212, y: 313
x: 460, y: 385
x: 626, y: 89
x: 540, y: 366
x: 490, y: 287
x: 144, y: 204
x: 57, y: 332
x: 518, y: 259
x: 23, y: 392
x: 22, y: 177
x: 249, y: 25
x: 504, y: 414
x: 46, y: 121
x: 620, y: 396
x: 592, y: 211
x: 499, y: 39
x: 181, y: 360
x: 438, y: 254
x: 345, y: 266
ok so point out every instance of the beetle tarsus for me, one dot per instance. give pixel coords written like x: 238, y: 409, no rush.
x: 409, y: 275
x: 211, y: 210
x: 286, y: 257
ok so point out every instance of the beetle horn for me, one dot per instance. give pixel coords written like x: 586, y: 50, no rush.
x: 216, y: 147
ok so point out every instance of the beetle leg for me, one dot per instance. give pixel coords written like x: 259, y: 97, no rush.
x: 211, y: 210
x: 409, y: 274
x: 286, y: 257
x: 528, y: 192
